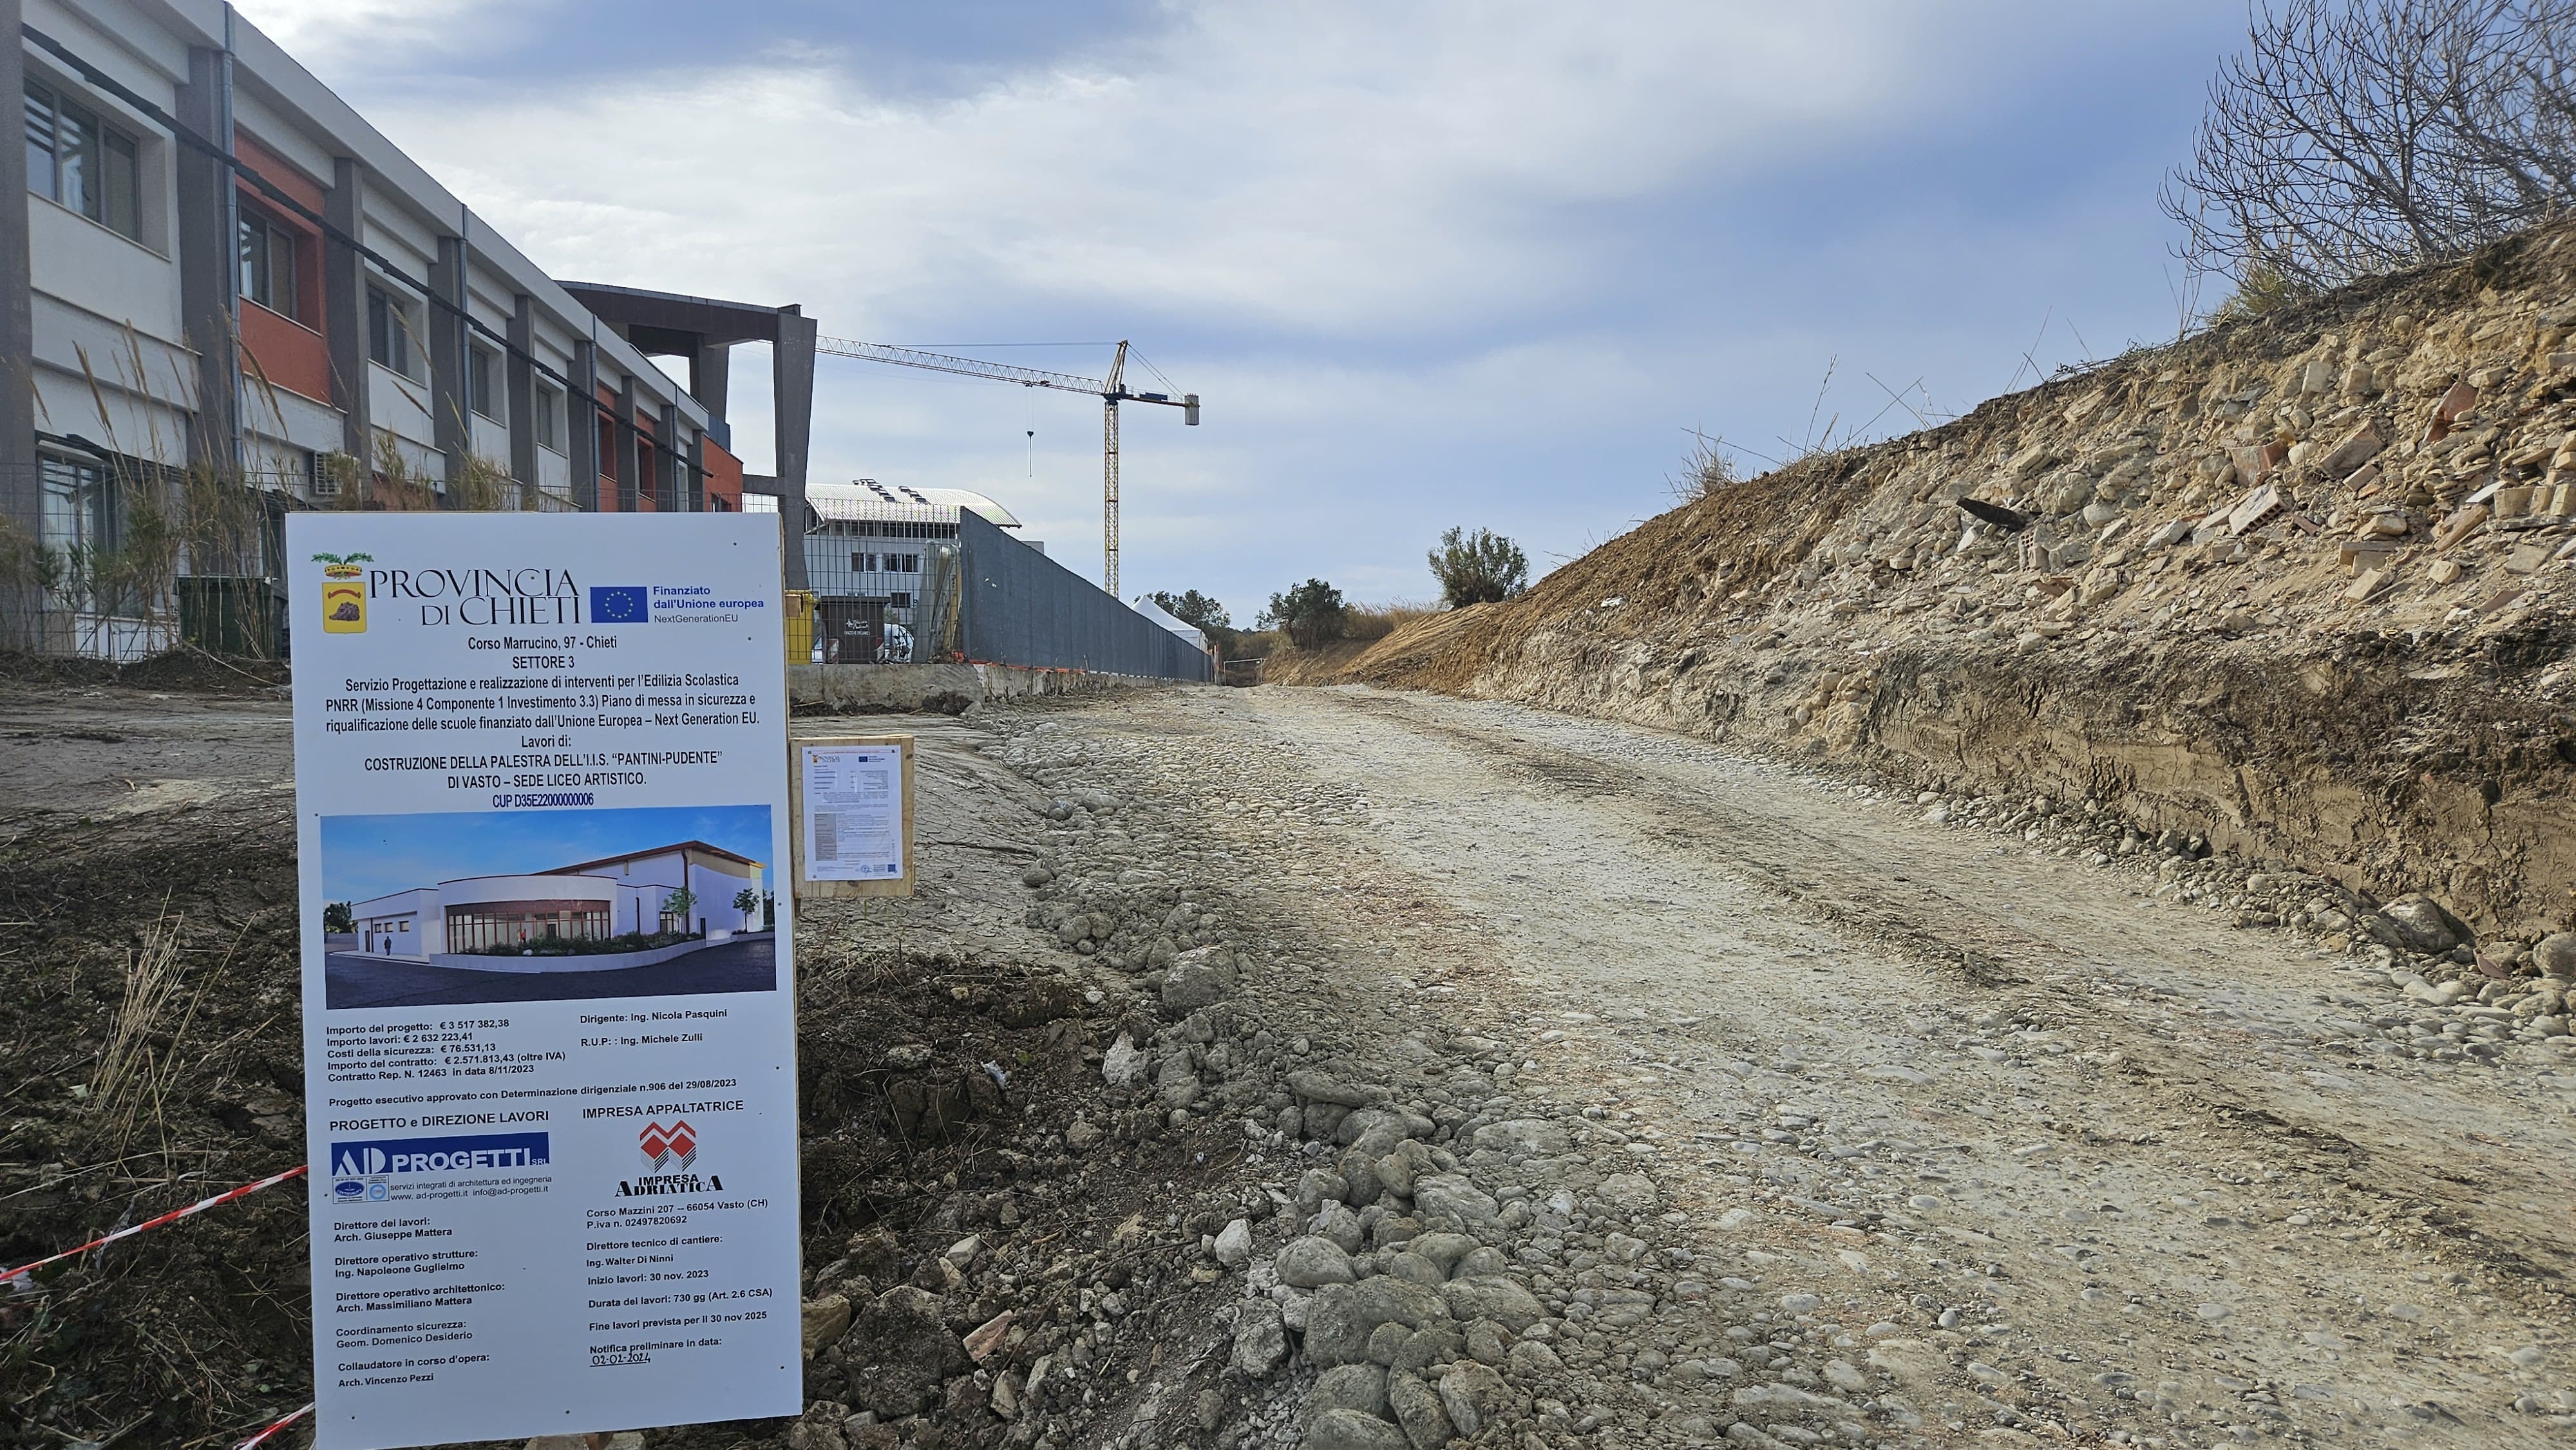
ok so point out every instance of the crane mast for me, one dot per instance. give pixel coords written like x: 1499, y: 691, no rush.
x: 1109, y: 473
x: 1111, y: 390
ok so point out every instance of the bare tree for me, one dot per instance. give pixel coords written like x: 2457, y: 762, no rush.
x: 2358, y: 136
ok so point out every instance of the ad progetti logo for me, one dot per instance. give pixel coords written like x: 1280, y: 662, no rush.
x: 406, y: 1157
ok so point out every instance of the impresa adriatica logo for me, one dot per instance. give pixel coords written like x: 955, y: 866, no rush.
x: 662, y: 1145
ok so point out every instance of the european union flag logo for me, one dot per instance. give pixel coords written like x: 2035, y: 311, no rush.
x: 620, y: 605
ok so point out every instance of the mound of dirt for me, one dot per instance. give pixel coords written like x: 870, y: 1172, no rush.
x: 184, y: 669
x: 2301, y: 585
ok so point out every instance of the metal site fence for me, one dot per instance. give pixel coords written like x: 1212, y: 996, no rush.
x: 1016, y: 606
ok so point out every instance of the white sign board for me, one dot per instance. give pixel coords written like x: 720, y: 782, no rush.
x: 549, y: 1028
x: 853, y: 803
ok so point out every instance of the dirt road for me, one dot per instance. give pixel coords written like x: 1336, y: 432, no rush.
x: 1296, y: 1065
x: 2034, y: 1148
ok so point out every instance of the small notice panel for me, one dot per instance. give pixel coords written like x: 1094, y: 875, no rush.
x: 854, y: 816
x: 549, y: 1026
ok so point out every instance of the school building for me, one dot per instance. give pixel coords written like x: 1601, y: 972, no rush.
x: 586, y: 901
x: 230, y: 297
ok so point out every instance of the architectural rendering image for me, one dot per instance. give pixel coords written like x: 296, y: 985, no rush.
x: 489, y: 907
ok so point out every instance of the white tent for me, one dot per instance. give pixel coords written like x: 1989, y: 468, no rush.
x: 1164, y: 617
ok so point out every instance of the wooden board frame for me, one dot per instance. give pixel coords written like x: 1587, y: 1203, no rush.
x: 822, y: 890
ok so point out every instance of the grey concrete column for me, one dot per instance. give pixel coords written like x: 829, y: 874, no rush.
x: 21, y: 483
x: 791, y: 364
x: 209, y: 246
x: 581, y: 425
x: 447, y: 412
x: 344, y: 311
x: 522, y: 401
x: 710, y: 366
x: 629, y: 481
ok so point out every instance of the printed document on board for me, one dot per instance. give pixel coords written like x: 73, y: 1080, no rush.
x: 853, y: 812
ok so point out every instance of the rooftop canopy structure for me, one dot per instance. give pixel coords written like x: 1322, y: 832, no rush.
x: 704, y: 330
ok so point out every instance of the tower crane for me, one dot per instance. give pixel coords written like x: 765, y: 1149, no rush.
x: 1111, y: 390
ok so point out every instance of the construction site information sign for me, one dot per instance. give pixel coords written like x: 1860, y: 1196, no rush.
x: 549, y: 1023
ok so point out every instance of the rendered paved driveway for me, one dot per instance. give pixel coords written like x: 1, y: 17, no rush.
x: 744, y: 964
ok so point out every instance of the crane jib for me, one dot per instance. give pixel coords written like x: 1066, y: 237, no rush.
x: 1111, y: 390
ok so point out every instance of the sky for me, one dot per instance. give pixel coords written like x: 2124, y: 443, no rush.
x: 364, y: 857
x: 1482, y: 264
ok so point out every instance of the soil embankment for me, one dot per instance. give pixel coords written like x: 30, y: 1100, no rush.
x: 2300, y: 586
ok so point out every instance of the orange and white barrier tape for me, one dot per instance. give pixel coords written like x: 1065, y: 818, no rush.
x: 173, y: 1216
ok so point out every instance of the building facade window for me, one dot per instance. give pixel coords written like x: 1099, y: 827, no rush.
x: 390, y: 332
x: 515, y: 924
x: 268, y: 264
x: 78, y: 529
x: 82, y: 162
x: 550, y: 419
x: 482, y: 386
x: 895, y: 531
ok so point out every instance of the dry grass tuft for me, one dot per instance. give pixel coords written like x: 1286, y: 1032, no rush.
x: 1377, y: 621
x: 135, y: 1065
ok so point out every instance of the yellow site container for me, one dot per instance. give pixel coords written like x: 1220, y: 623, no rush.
x: 800, y: 626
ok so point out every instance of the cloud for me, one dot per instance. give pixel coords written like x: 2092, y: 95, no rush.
x: 325, y: 34
x: 1326, y: 170
x: 1430, y: 264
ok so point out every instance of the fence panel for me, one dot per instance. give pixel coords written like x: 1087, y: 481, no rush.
x: 1019, y: 607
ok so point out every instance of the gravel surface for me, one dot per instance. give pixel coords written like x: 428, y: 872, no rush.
x: 1803, y: 1118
